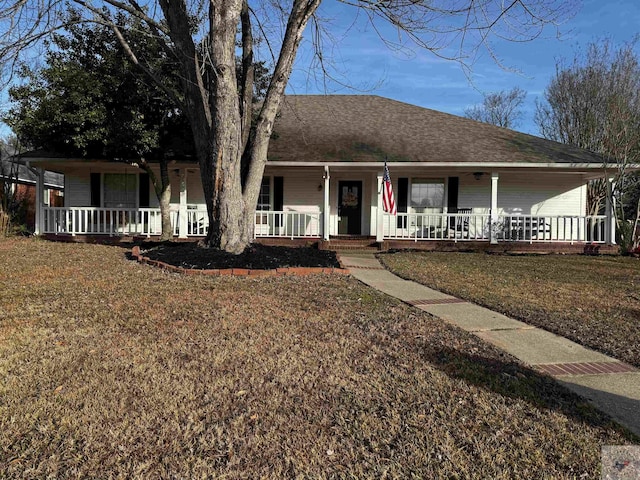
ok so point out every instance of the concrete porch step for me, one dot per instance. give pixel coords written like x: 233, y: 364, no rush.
x: 350, y: 244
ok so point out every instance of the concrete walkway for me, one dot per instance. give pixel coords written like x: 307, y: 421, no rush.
x: 612, y: 386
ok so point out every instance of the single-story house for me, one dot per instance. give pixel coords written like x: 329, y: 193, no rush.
x: 18, y: 180
x: 454, y: 179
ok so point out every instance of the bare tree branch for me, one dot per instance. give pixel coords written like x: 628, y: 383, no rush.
x: 200, y: 37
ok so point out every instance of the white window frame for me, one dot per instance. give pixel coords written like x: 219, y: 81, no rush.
x: 427, y: 180
x: 264, y: 219
x: 270, y: 177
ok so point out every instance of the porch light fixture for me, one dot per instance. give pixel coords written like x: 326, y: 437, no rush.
x: 478, y: 175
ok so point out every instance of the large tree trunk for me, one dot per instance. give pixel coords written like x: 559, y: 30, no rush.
x: 220, y: 117
x: 220, y: 155
x: 230, y: 225
x: 162, y: 190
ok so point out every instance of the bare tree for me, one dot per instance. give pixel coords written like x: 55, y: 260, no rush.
x: 501, y: 108
x: 202, y: 38
x: 11, y: 204
x: 594, y: 103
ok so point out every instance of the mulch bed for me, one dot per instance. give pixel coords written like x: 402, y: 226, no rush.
x: 255, y: 257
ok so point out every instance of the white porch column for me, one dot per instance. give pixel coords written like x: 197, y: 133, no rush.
x: 182, y: 212
x: 610, y: 222
x: 326, y: 218
x: 379, y: 212
x: 494, y: 206
x: 39, y: 226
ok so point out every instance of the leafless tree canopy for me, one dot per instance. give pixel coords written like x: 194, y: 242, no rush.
x: 202, y: 38
x: 501, y: 108
x: 594, y: 103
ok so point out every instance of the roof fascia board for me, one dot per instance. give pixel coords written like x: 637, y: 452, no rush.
x: 82, y: 161
x: 279, y: 163
x: 580, y: 166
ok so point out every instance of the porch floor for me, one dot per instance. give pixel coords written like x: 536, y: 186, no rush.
x: 368, y: 244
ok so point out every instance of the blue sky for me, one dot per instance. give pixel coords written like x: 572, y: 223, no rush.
x: 363, y: 64
x: 420, y: 78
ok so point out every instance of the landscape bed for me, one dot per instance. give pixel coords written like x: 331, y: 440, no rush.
x: 189, y: 255
x: 593, y: 300
x: 111, y: 368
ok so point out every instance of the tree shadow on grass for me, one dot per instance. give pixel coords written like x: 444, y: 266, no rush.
x: 513, y: 380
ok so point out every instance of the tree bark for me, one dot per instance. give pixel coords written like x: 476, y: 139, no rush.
x: 164, y: 199
x: 162, y: 190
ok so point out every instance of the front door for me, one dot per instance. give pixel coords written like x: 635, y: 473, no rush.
x: 349, y: 207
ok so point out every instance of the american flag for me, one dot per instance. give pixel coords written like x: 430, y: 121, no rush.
x: 388, y: 202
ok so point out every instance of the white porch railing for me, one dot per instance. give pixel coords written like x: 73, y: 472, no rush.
x: 437, y: 226
x: 507, y: 228
x: 455, y: 227
x: 103, y: 221
x: 288, y: 224
x: 148, y: 222
x: 197, y: 223
x: 536, y: 228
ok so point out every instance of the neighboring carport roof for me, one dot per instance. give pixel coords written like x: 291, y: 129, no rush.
x: 9, y: 168
x: 368, y: 128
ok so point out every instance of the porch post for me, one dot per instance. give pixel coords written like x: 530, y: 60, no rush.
x: 39, y: 210
x: 326, y: 220
x: 182, y: 212
x: 379, y: 212
x: 494, y: 207
x: 610, y: 221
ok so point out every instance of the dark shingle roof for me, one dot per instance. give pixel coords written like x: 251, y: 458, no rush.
x: 367, y: 128
x: 9, y: 168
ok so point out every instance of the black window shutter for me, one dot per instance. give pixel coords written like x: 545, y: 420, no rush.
x: 403, y: 200
x: 278, y: 193
x: 278, y: 197
x: 95, y: 189
x: 452, y: 197
x: 143, y: 190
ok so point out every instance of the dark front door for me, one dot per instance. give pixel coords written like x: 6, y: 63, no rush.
x: 350, y: 207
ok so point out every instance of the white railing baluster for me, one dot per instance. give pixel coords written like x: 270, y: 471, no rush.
x: 418, y: 227
x: 510, y: 228
x: 287, y: 224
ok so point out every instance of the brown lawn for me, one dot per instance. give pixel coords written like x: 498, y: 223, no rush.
x: 594, y: 301
x: 111, y: 369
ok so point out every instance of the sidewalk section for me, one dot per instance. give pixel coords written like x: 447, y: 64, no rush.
x: 612, y: 386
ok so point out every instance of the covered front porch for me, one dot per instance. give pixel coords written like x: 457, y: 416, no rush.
x: 325, y: 201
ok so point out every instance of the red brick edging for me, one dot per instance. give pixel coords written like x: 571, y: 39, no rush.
x: 436, y: 301
x: 585, y: 368
x: 238, y: 272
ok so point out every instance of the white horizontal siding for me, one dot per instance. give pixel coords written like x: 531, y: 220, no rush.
x: 301, y: 193
x: 195, y: 193
x: 476, y: 194
x: 536, y: 194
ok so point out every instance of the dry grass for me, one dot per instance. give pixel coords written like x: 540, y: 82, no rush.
x: 112, y: 369
x: 592, y: 300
